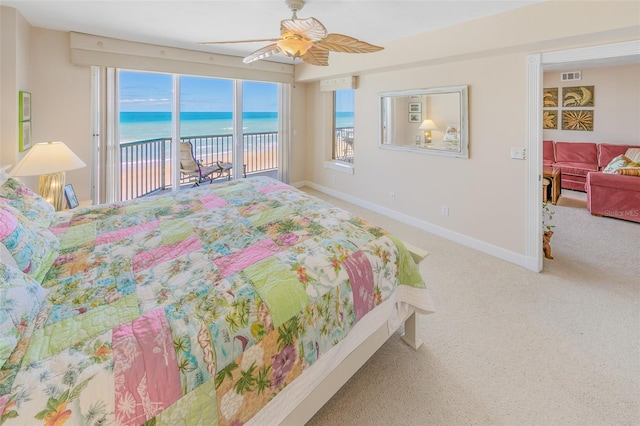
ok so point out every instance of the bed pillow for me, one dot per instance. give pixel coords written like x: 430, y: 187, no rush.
x: 20, y: 300
x: 6, y: 257
x: 3, y: 175
x: 35, y: 208
x: 34, y: 250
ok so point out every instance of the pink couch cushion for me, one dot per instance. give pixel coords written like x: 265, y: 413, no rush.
x: 548, y: 156
x: 577, y: 152
x: 578, y: 169
x: 607, y: 152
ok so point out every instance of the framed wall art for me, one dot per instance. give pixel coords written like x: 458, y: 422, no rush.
x: 415, y: 117
x: 24, y: 101
x: 580, y: 96
x: 577, y: 119
x: 25, y: 135
x: 415, y: 107
x: 550, y: 97
x: 550, y: 119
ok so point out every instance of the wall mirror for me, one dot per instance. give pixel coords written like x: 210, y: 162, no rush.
x: 429, y: 121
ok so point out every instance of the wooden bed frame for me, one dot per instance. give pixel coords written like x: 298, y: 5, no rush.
x: 343, y: 371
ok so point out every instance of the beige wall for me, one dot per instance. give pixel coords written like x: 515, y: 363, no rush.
x: 424, y: 183
x: 15, y: 77
x: 616, y: 108
x: 62, y: 101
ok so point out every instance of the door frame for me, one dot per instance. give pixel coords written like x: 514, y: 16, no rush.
x: 535, y: 69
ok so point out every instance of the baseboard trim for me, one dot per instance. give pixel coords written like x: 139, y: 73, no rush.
x: 465, y: 240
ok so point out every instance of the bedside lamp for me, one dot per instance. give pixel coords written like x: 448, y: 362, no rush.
x: 428, y: 126
x: 50, y: 160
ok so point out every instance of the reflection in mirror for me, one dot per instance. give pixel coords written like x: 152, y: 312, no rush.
x: 431, y: 121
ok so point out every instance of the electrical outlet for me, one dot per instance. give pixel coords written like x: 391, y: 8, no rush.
x: 444, y: 210
x: 392, y: 195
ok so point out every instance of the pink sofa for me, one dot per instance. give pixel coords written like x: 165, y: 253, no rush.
x: 614, y: 195
x: 581, y: 165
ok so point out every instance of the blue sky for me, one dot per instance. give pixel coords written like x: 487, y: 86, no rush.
x: 152, y: 92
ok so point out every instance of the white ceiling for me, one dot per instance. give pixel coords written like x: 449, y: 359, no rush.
x: 183, y: 24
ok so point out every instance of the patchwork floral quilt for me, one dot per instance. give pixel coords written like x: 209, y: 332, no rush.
x: 197, y: 307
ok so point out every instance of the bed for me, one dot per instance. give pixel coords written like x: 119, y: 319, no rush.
x: 248, y: 302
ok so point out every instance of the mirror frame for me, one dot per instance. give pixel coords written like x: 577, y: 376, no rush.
x: 463, y: 131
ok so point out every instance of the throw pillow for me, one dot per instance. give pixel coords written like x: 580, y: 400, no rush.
x: 629, y: 171
x: 633, y: 154
x: 3, y: 175
x: 32, y: 206
x: 618, y: 162
x: 34, y: 250
x: 20, y: 301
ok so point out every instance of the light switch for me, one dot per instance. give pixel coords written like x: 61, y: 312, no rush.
x: 518, y: 153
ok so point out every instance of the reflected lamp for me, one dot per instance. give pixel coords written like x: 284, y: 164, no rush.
x: 50, y: 161
x: 427, y: 126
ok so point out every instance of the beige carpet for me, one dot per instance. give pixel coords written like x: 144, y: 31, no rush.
x: 508, y: 346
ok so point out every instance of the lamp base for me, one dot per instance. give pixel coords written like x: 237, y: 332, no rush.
x: 427, y: 136
x: 51, y: 189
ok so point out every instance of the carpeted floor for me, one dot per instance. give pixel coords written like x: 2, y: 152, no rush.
x: 508, y: 346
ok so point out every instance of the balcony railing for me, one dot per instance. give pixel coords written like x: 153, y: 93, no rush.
x: 343, y: 144
x: 145, y: 166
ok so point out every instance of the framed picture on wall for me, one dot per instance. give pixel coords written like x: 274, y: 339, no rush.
x: 415, y: 107
x: 415, y: 117
x: 577, y: 119
x: 579, y: 96
x: 24, y: 131
x: 550, y: 97
x: 550, y: 119
x: 24, y: 101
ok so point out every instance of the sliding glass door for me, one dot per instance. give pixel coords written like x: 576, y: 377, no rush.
x: 224, y: 120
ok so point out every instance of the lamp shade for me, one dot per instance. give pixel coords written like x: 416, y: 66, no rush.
x: 428, y: 125
x: 294, y: 47
x: 46, y: 158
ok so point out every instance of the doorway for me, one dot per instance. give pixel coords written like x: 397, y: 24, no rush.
x: 536, y: 63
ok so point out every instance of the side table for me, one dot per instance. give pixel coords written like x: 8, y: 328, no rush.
x: 553, y: 174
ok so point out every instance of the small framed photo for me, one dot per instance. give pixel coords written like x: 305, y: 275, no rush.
x: 415, y: 107
x: 415, y: 117
x: 451, y: 134
x: 70, y: 195
x: 24, y: 135
x: 25, y: 106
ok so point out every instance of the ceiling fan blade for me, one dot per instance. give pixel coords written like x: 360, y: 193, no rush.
x: 315, y: 56
x: 309, y: 28
x: 239, y: 41
x: 265, y: 52
x: 346, y: 44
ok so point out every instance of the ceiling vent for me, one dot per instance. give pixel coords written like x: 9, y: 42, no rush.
x: 571, y: 76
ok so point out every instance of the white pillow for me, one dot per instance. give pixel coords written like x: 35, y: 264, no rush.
x: 6, y: 257
x: 633, y: 154
x: 3, y: 175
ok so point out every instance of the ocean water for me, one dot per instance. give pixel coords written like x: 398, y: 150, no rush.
x: 136, y: 126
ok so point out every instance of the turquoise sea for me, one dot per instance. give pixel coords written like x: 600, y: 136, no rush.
x: 136, y: 126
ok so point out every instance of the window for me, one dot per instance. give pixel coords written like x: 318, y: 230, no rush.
x: 225, y: 120
x: 343, y: 121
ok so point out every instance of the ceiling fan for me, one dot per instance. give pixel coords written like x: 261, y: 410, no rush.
x: 306, y: 39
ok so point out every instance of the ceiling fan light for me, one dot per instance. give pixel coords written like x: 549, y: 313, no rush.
x: 294, y: 47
